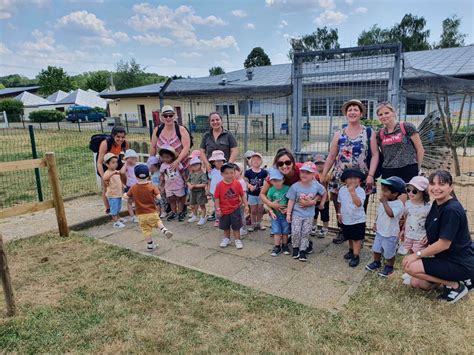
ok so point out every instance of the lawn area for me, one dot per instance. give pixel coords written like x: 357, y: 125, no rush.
x: 80, y: 295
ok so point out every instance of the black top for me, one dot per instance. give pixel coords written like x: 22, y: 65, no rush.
x: 256, y: 179
x: 448, y: 221
x: 224, y: 142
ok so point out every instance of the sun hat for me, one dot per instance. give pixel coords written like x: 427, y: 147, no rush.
x: 217, y: 155
x: 348, y: 173
x: 419, y: 182
x: 248, y: 154
x: 153, y: 160
x: 319, y: 159
x: 309, y: 166
x: 195, y: 161
x: 275, y: 174
x: 397, y: 183
x: 167, y: 108
x: 354, y: 102
x: 195, y: 153
x: 255, y: 154
x: 130, y: 153
x: 109, y: 156
x: 167, y: 149
x: 141, y: 171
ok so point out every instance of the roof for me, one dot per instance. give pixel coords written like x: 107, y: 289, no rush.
x: 17, y: 90
x: 83, y: 98
x: 57, y: 96
x: 30, y: 99
x: 146, y: 90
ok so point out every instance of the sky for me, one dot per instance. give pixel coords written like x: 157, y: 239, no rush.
x: 188, y: 37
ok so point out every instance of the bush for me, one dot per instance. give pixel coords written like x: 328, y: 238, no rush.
x: 13, y: 108
x: 47, y: 116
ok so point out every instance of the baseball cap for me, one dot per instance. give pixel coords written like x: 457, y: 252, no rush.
x: 141, y: 171
x: 275, y: 174
x: 153, y: 160
x: 130, y: 153
x: 309, y: 166
x: 109, y: 156
x: 255, y: 154
x: 248, y: 154
x: 419, y: 182
x: 397, y: 183
x: 319, y: 159
x: 167, y: 108
x: 195, y: 160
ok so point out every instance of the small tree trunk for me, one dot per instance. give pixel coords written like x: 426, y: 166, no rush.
x: 457, y: 167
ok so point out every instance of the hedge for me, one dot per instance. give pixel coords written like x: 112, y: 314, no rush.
x: 47, y: 116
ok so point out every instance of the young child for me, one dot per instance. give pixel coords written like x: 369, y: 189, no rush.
x: 387, y: 226
x: 144, y: 193
x: 351, y: 213
x: 322, y: 210
x: 228, y: 198
x: 173, y: 181
x: 255, y: 177
x: 197, y: 183
x: 238, y: 176
x: 114, y: 190
x: 303, y: 196
x: 154, y: 165
x: 217, y: 160
x: 280, y: 226
x: 131, y: 160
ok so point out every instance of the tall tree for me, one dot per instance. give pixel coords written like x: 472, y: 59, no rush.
x: 128, y: 74
x: 98, y: 80
x: 375, y: 35
x: 411, y: 33
x: 15, y: 80
x: 257, y: 58
x: 321, y: 39
x: 53, y: 79
x: 451, y: 37
x: 216, y: 71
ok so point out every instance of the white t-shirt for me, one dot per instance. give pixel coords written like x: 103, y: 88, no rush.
x: 416, y: 218
x: 243, y: 183
x: 389, y: 226
x: 350, y: 213
x: 216, y: 177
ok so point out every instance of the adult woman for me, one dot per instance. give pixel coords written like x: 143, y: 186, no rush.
x: 171, y: 134
x: 117, y: 145
x: 351, y: 148
x: 400, y: 145
x: 218, y: 138
x: 449, y: 257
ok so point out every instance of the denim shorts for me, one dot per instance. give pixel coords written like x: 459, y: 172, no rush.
x: 385, y: 245
x: 280, y: 226
x: 254, y: 200
x: 115, y: 205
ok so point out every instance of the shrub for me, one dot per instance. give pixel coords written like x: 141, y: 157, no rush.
x: 13, y: 109
x: 47, y: 116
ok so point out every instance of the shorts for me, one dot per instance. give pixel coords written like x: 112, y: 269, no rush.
x: 231, y: 221
x: 446, y: 269
x: 198, y: 197
x: 177, y: 193
x: 254, y: 200
x: 324, y: 213
x: 280, y: 225
x: 353, y: 231
x: 414, y: 245
x: 406, y: 173
x: 115, y: 205
x: 385, y: 245
x: 147, y: 222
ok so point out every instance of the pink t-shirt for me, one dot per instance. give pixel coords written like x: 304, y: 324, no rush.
x: 173, y: 178
x: 131, y: 178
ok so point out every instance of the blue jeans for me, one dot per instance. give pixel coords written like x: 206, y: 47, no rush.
x: 280, y: 226
x: 115, y: 205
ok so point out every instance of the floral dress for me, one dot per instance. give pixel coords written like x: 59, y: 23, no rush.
x: 352, y: 153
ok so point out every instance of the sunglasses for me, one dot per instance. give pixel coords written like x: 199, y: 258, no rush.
x: 168, y: 116
x: 286, y: 162
x: 412, y: 190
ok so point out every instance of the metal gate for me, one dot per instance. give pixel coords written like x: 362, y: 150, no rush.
x: 324, y: 80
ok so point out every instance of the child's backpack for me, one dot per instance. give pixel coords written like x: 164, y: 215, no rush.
x: 178, y: 131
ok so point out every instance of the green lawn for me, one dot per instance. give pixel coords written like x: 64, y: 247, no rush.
x: 79, y: 295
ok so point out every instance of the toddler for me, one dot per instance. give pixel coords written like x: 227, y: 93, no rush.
x: 131, y: 160
x: 154, y: 165
x: 197, y: 184
x: 322, y: 210
x: 217, y: 160
x: 255, y: 177
x: 114, y: 191
x: 238, y: 176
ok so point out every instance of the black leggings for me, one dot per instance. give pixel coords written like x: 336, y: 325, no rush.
x: 406, y: 173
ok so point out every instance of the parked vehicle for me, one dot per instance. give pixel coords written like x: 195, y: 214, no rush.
x: 84, y: 114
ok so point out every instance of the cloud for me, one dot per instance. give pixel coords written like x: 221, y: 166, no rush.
x: 297, y: 5
x: 117, y: 55
x: 282, y: 24
x: 327, y: 4
x: 249, y: 26
x: 4, y: 49
x: 153, y: 39
x: 190, y: 55
x: 330, y: 17
x: 214, y: 43
x: 166, y: 61
x: 361, y: 10
x: 349, y: 2
x: 9, y: 7
x: 239, y: 13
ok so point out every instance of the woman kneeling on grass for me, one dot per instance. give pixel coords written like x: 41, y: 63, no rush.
x: 449, y: 258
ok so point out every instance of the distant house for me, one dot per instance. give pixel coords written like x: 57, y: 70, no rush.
x: 31, y: 102
x: 76, y: 97
x: 9, y: 93
x: 57, y: 96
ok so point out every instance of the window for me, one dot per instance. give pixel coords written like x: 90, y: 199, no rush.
x: 254, y: 107
x: 318, y: 107
x: 415, y: 107
x: 225, y: 109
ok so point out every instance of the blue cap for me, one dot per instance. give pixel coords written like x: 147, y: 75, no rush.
x: 275, y: 174
x: 397, y: 183
x: 153, y: 160
x: 141, y: 171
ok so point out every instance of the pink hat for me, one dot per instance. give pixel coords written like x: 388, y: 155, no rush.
x: 195, y: 153
x: 217, y: 155
x: 419, y: 182
x: 309, y: 166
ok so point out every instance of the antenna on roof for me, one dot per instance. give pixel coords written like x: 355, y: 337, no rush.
x: 249, y: 73
x: 223, y: 81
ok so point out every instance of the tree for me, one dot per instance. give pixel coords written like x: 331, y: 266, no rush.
x: 15, y: 80
x: 128, y: 74
x: 375, y: 35
x: 53, y: 79
x: 451, y: 37
x: 216, y: 71
x: 321, y: 39
x: 257, y: 58
x: 98, y: 81
x: 13, y: 108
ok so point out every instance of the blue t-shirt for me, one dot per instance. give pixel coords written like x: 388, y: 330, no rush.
x: 256, y: 179
x: 155, y: 178
x: 298, y: 191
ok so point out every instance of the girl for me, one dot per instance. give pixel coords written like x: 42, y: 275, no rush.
x: 128, y: 169
x: 255, y: 177
x: 114, y: 190
x: 217, y: 159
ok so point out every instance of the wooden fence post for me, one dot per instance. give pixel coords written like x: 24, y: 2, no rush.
x: 6, y: 281
x: 57, y: 196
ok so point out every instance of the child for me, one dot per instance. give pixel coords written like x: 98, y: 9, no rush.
x: 197, y: 183
x: 238, y: 176
x: 322, y: 210
x: 228, y: 197
x: 387, y: 226
x: 217, y: 160
x: 114, y: 190
x: 351, y: 213
x: 280, y: 226
x: 144, y: 195
x: 303, y: 197
x: 154, y: 165
x: 255, y: 177
x: 173, y: 182
x: 131, y: 160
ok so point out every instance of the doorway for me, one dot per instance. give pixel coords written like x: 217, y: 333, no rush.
x: 141, y: 110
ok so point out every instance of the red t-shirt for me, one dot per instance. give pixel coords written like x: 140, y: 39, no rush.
x: 229, y: 196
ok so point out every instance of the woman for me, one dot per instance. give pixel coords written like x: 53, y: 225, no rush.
x: 218, y: 138
x: 117, y: 145
x: 449, y: 258
x: 400, y: 145
x: 351, y: 148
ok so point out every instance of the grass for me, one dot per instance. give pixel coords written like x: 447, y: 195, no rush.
x: 79, y: 295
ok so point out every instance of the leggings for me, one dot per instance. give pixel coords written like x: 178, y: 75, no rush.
x: 300, y: 230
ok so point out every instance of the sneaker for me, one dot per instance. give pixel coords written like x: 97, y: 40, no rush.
x: 296, y: 253
x: 387, y: 271
x: 457, y: 293
x: 314, y: 231
x: 260, y: 227
x: 354, y: 261
x: 322, y: 233
x: 163, y: 214
x: 212, y: 217
x: 134, y: 219
x: 286, y: 249
x: 193, y: 219
x: 243, y: 231
x: 122, y: 220
x: 251, y: 228
x: 349, y: 255
x: 302, y: 256
x: 172, y: 216
x: 202, y: 221
x: 469, y: 285
x: 225, y: 242
x: 216, y: 223
x: 402, y: 250
x: 339, y: 238
x: 238, y: 244
x: 374, y: 265
x: 118, y: 224
x: 444, y: 294
x: 407, y: 280
x: 181, y: 216
x: 168, y: 234
x: 309, y: 249
x: 277, y: 250
x: 191, y: 215
x: 150, y: 246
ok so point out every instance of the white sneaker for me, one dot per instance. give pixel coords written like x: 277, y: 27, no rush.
x: 243, y: 231
x: 167, y: 233
x: 225, y: 242
x: 405, y: 276
x: 163, y: 214
x: 119, y: 224
x: 407, y: 280
x: 192, y: 219
x: 251, y: 228
x: 150, y: 247
x: 402, y: 250
x: 314, y: 231
x: 122, y: 220
x: 134, y: 219
x: 202, y: 221
x: 238, y: 244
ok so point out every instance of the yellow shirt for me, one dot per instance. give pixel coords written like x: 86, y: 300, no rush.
x: 114, y: 186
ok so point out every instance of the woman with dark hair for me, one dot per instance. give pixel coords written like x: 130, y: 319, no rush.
x: 448, y: 260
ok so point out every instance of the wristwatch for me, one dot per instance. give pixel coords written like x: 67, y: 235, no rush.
x: 418, y: 254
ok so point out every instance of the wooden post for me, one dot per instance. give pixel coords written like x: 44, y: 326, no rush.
x: 57, y: 196
x: 6, y: 281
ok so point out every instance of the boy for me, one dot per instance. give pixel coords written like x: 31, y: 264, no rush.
x: 197, y: 183
x: 387, y: 226
x: 321, y: 210
x: 228, y: 198
x: 131, y: 160
x: 114, y: 190
x: 144, y: 194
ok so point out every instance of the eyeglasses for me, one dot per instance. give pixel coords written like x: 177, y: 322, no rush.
x: 286, y: 162
x: 168, y: 116
x: 412, y: 190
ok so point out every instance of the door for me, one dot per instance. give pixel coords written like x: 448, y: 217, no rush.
x: 177, y: 110
x: 141, y: 110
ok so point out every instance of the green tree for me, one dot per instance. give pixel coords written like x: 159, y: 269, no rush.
x: 153, y: 78
x: 13, y: 108
x: 15, y: 80
x: 98, y: 80
x: 53, y: 79
x: 257, y: 58
x: 2, y: 86
x: 128, y: 74
x: 321, y: 39
x: 216, y: 71
x: 451, y: 37
x: 375, y: 35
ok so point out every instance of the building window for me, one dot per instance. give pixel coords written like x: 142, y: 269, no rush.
x: 318, y: 107
x: 225, y: 109
x: 415, y: 107
x: 254, y: 107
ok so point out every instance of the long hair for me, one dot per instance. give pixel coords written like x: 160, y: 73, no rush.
x: 116, y: 130
x: 282, y: 152
x: 444, y: 177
